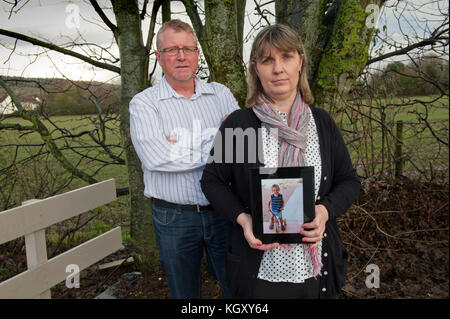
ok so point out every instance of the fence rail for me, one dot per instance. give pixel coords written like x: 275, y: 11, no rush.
x: 31, y: 219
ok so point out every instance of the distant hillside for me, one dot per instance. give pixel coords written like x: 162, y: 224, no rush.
x: 62, y: 96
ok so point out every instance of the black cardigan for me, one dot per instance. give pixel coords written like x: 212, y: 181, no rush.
x: 226, y: 186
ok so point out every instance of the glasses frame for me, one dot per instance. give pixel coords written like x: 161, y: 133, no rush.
x: 190, y: 50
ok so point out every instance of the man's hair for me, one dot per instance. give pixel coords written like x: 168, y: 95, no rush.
x: 284, y: 39
x: 177, y: 26
x: 276, y: 186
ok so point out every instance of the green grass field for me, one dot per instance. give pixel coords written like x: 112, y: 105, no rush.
x: 373, y: 135
x: 43, y: 176
x: 75, y: 125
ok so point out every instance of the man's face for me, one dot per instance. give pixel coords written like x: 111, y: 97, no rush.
x: 180, y: 67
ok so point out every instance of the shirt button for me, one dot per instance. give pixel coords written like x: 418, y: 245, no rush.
x: 325, y: 254
x: 324, y: 289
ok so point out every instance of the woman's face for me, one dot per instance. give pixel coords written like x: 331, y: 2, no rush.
x: 279, y: 73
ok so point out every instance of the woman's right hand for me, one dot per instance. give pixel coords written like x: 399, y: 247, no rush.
x: 245, y: 220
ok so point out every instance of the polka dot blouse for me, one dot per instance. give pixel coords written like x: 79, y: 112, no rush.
x: 294, y: 264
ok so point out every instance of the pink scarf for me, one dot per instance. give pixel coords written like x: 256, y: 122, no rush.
x: 293, y: 143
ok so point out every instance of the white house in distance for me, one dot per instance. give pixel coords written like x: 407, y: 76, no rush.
x: 7, y: 106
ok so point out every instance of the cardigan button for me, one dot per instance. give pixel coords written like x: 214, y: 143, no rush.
x: 324, y: 178
x: 318, y: 197
x: 324, y: 289
x: 324, y: 234
x: 325, y: 272
x: 325, y: 254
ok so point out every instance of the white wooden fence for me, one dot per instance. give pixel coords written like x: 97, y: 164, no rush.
x: 31, y: 219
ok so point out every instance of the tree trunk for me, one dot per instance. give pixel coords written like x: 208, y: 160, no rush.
x: 307, y: 18
x: 337, y: 39
x: 134, y: 70
x: 165, y: 10
x: 345, y: 56
x: 221, y: 42
x: 222, y: 35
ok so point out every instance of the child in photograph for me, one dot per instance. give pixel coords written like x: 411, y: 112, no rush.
x: 276, y: 205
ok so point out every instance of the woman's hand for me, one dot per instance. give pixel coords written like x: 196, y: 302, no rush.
x: 245, y: 220
x: 316, y: 228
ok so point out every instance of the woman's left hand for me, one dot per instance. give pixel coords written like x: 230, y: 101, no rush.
x: 316, y: 227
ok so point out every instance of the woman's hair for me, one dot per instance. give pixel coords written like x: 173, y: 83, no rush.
x: 176, y: 25
x: 284, y: 39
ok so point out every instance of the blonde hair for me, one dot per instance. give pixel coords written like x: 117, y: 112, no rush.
x: 177, y: 26
x: 284, y: 39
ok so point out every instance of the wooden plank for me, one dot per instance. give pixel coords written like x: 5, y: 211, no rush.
x: 36, y: 250
x: 116, y: 263
x: 31, y: 283
x: 35, y: 244
x: 27, y: 219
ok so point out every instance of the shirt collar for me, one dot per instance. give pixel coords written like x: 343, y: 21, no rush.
x: 166, y: 91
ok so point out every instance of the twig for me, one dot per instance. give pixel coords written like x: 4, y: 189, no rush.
x: 376, y: 250
x: 111, y: 273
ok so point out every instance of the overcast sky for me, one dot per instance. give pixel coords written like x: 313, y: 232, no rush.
x: 65, y: 22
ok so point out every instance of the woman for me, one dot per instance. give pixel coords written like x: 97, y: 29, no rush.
x: 278, y: 98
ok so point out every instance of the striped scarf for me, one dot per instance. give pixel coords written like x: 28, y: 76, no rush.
x: 293, y: 139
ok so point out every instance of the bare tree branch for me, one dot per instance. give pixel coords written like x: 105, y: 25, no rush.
x: 105, y: 19
x: 151, y: 31
x: 40, y: 128
x: 56, y: 48
x: 435, y: 38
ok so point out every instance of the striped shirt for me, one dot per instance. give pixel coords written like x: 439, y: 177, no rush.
x: 276, y: 202
x: 172, y: 171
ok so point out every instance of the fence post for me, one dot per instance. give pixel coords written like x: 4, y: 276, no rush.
x: 36, y: 250
x: 399, y: 160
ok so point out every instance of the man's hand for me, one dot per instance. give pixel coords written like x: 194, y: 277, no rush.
x: 245, y: 220
x: 224, y: 117
x: 171, y: 139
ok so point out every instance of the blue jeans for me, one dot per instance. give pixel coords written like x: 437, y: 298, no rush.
x: 182, y: 235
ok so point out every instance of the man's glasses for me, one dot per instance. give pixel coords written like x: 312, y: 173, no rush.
x: 175, y: 50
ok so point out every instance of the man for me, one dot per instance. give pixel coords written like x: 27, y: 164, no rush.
x: 172, y: 126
